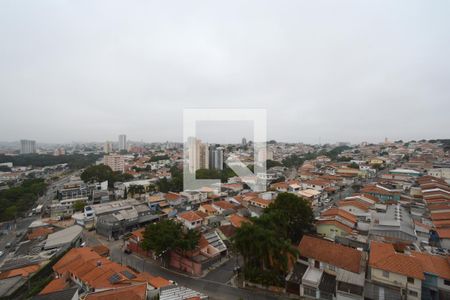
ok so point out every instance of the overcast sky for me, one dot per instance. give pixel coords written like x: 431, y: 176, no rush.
x: 324, y: 70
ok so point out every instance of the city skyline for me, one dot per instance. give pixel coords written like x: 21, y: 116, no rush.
x: 133, y: 69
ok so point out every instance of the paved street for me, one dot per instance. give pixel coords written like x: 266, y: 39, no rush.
x: 223, y: 273
x: 213, y: 285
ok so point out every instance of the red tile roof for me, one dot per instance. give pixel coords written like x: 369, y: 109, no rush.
x: 223, y: 204
x: 356, y: 203
x: 441, y: 223
x: 57, y: 284
x: 331, y: 253
x: 208, y: 208
x: 94, y: 270
x: 190, y: 216
x: 134, y: 292
x: 339, y: 212
x: 444, y: 233
x: 433, y: 264
x: 38, y: 232
x: 440, y: 216
x: 172, y: 196
x: 237, y: 220
x: 384, y: 257
x: 24, y: 272
x: 102, y: 250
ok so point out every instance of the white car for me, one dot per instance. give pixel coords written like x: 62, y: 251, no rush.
x: 1, y: 253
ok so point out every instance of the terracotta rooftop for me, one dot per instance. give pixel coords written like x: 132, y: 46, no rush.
x: 138, y: 234
x: 440, y: 216
x: 223, y: 204
x: 441, y: 223
x: 237, y: 220
x: 39, y: 232
x: 101, y: 250
x: 57, y: 284
x: 96, y: 271
x: 172, y: 196
x: 331, y: 253
x: 208, y: 208
x: 339, y: 212
x: 443, y: 233
x: 384, y: 257
x: 356, y: 203
x: 190, y: 216
x: 24, y: 272
x: 434, y: 264
x: 134, y: 292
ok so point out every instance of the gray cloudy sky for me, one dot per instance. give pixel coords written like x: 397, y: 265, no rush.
x: 338, y: 70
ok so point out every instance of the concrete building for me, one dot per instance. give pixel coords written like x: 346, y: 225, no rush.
x: 443, y: 173
x: 115, y: 161
x: 198, y: 155
x: 27, y: 146
x: 215, y: 157
x: 326, y: 270
x: 107, y: 147
x: 394, y: 225
x: 122, y: 142
x: 113, y: 219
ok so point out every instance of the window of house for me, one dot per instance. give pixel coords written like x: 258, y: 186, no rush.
x: 410, y: 280
x: 309, y: 291
x: 317, y: 264
x: 386, y: 274
x: 332, y: 268
x: 413, y: 293
x: 446, y: 282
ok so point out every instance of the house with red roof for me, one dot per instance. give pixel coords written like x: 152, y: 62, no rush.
x: 400, y: 271
x: 190, y: 219
x: 94, y: 273
x: 327, y: 270
x: 335, y: 222
x: 356, y: 207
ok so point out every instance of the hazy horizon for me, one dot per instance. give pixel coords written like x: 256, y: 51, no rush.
x: 325, y: 71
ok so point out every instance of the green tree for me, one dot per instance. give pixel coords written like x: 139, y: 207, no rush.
x: 97, y: 173
x: 353, y: 165
x: 291, y: 213
x: 17, y: 200
x: 79, y: 205
x: 266, y: 244
x: 293, y: 161
x: 272, y: 163
x: 167, y: 235
x: 136, y: 189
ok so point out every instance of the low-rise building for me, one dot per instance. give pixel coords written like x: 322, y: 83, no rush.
x: 326, y: 270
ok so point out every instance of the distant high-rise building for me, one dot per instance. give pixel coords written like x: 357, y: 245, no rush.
x: 198, y: 155
x: 215, y: 157
x: 244, y: 141
x: 122, y: 142
x: 27, y: 146
x: 115, y: 161
x: 107, y: 147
